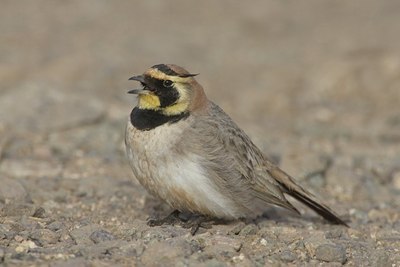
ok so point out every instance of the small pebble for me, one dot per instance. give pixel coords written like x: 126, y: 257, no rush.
x: 334, y: 234
x: 331, y: 253
x: 55, y: 226
x: 25, y: 246
x: 288, y: 256
x: 101, y: 235
x: 82, y: 235
x: 44, y: 237
x: 39, y: 213
x: 250, y: 229
x: 237, y: 228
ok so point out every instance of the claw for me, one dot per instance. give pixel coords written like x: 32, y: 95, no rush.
x: 171, y: 219
x: 194, y: 223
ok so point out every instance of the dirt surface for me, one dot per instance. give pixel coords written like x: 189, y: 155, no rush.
x: 316, y: 84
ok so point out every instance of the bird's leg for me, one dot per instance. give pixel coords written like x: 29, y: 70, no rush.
x: 198, y: 221
x: 194, y: 222
x: 171, y: 219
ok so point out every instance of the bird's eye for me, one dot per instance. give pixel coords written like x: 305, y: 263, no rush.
x: 167, y: 83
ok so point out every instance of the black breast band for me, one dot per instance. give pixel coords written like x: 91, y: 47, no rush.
x: 145, y: 119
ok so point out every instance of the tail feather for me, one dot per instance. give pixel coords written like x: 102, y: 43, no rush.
x: 321, y: 209
x: 302, y: 195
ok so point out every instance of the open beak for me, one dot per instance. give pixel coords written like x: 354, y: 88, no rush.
x: 141, y: 91
x: 138, y: 78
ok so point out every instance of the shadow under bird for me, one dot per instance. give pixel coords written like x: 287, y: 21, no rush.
x: 187, y: 151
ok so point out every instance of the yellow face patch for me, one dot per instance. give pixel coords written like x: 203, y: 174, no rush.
x: 152, y: 102
x: 182, y: 104
x: 175, y: 109
x: 149, y: 101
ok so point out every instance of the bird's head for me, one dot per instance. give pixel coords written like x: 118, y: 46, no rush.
x: 169, y: 89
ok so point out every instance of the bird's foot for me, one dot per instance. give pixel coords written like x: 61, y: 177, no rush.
x: 196, y: 222
x: 171, y: 219
x: 187, y: 221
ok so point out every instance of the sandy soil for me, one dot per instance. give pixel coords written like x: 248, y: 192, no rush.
x: 316, y: 84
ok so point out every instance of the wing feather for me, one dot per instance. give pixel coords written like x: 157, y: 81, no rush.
x: 240, y: 169
x: 237, y: 163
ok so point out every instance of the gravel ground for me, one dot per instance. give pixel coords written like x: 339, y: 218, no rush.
x: 316, y: 85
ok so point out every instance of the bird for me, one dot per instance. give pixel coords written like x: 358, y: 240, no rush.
x: 185, y: 150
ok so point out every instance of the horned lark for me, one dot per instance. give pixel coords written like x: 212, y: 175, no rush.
x: 187, y: 151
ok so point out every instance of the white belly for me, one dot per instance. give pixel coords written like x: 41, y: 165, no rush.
x: 174, y: 175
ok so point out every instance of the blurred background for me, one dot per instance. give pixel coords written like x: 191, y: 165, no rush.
x: 316, y: 85
x: 329, y: 62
